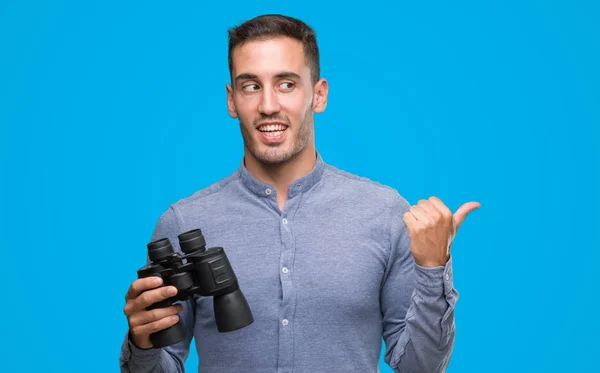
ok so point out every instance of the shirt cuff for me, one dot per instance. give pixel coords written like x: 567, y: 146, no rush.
x: 436, y: 278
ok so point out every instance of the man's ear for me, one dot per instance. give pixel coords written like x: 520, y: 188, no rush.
x: 230, y: 104
x: 320, y: 96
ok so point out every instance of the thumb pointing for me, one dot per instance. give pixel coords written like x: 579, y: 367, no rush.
x: 463, y: 211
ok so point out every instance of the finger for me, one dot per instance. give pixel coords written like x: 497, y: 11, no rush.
x: 150, y: 297
x: 409, y: 219
x: 463, y: 211
x: 419, y: 214
x: 142, y: 284
x: 453, y: 230
x: 155, y: 326
x: 147, y: 317
x: 441, y: 207
x: 427, y: 206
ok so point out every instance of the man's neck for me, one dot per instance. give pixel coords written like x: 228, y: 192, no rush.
x: 282, y: 175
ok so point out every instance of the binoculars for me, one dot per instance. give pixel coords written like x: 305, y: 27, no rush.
x: 199, y: 271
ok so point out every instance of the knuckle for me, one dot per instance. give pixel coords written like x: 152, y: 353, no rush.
x: 133, y: 321
x: 127, y: 309
x: 134, y: 286
x: 147, y: 299
x: 155, y: 314
x: 136, y: 330
x: 151, y: 315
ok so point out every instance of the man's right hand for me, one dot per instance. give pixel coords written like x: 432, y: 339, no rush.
x: 142, y: 323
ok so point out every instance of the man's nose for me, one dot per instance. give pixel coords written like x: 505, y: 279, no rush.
x: 269, y: 102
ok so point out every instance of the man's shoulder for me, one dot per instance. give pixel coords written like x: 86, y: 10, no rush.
x: 364, y: 188
x: 209, y: 193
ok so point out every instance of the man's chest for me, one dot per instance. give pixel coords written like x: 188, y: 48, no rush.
x: 317, y: 263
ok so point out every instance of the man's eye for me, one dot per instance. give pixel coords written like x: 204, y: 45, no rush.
x: 250, y: 87
x: 286, y: 85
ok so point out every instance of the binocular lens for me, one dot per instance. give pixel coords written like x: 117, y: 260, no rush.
x: 160, y: 249
x: 232, y: 311
x: 191, y: 241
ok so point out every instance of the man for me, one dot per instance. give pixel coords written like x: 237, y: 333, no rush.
x: 329, y: 262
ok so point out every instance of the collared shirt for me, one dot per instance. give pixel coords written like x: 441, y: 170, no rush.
x: 328, y: 279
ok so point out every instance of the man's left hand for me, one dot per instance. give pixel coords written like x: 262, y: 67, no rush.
x: 431, y: 229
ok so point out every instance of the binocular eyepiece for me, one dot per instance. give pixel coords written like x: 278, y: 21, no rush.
x: 199, y: 271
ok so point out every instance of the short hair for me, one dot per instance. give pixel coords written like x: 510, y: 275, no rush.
x: 276, y: 25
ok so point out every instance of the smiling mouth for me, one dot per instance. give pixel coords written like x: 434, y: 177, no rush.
x: 272, y: 130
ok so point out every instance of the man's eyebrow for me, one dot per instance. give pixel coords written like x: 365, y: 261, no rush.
x: 245, y: 76
x: 287, y: 74
x: 284, y: 74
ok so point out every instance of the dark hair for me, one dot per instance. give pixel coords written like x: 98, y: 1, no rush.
x: 275, y: 25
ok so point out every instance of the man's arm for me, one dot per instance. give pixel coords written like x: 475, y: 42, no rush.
x: 170, y: 359
x: 417, y: 304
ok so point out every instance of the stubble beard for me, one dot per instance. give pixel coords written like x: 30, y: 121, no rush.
x: 273, y: 154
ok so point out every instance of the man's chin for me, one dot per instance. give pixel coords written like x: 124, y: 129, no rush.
x: 273, y: 159
x: 273, y: 156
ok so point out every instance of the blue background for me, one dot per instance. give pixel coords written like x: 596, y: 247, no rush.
x: 110, y: 111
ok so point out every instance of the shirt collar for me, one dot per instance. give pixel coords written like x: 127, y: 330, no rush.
x: 298, y: 186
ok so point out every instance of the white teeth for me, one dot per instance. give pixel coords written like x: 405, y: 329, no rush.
x: 274, y: 134
x: 272, y: 127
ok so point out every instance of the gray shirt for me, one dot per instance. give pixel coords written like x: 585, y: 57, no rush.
x: 328, y: 279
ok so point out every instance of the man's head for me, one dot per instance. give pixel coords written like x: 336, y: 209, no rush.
x: 275, y: 86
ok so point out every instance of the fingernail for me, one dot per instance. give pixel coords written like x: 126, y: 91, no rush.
x: 172, y: 291
x: 180, y: 307
x: 157, y: 280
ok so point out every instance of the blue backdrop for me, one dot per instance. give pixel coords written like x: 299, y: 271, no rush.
x: 104, y: 104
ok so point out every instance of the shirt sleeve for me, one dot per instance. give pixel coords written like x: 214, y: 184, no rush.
x: 417, y: 305
x: 170, y: 359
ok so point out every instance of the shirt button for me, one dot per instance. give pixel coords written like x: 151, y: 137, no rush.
x: 284, y: 221
x: 447, y: 276
x: 284, y: 322
x: 284, y: 270
x: 268, y: 191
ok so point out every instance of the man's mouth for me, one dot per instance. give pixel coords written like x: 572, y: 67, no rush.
x: 272, y: 129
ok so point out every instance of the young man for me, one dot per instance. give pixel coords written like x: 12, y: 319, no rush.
x: 330, y: 263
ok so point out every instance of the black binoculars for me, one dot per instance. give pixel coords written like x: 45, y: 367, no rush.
x: 199, y: 271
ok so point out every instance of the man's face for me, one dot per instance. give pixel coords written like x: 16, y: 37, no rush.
x: 273, y: 97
